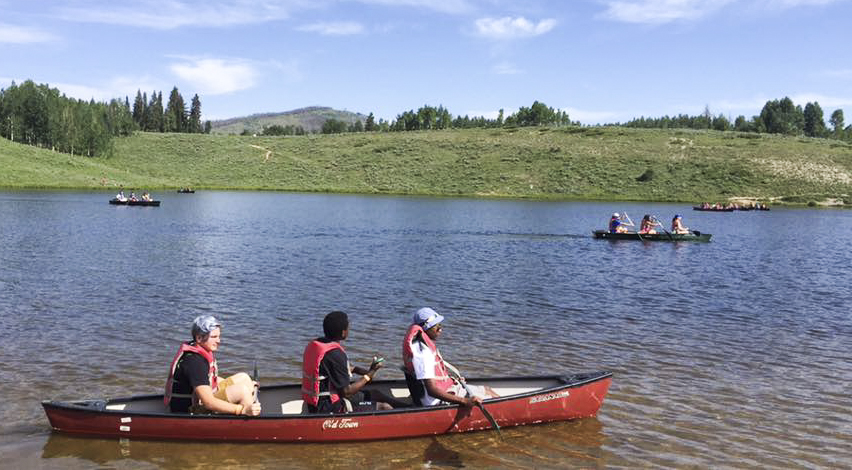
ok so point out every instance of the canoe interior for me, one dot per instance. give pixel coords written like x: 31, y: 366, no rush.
x: 286, y: 400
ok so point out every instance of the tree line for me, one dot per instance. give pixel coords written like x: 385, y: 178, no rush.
x: 435, y: 118
x: 35, y: 114
x: 777, y: 117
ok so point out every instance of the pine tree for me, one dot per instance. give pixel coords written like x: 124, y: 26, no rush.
x: 194, y: 124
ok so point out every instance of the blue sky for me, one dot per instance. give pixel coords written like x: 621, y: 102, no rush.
x: 600, y: 60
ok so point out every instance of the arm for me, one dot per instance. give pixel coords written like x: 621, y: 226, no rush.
x: 366, y: 376
x: 434, y: 391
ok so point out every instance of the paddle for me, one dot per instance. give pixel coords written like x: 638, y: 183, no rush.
x: 457, y: 376
x: 629, y: 222
x: 254, y: 378
x: 671, y: 238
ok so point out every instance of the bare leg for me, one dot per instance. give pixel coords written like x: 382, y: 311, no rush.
x: 242, y: 391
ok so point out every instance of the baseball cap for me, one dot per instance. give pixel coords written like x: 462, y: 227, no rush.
x: 615, y: 214
x: 427, y: 318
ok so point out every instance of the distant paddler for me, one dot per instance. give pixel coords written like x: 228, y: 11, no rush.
x: 619, y: 223
x: 677, y: 225
x: 646, y: 227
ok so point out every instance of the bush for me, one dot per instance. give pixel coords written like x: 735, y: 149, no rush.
x: 647, y: 176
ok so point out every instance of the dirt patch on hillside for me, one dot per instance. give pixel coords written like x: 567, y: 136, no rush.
x: 812, y: 172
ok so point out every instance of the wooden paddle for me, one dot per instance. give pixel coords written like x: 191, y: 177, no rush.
x: 457, y: 376
x: 254, y: 378
x: 671, y: 238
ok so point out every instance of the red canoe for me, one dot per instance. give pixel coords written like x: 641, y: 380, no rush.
x: 525, y: 400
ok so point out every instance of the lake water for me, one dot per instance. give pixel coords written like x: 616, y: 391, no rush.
x: 733, y: 353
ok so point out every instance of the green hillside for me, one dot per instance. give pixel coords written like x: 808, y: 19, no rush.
x: 310, y: 119
x: 563, y: 163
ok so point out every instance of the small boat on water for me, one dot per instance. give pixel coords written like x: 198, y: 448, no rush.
x: 128, y: 202
x: 186, y: 191
x: 693, y: 236
x: 524, y: 400
x: 730, y: 209
x: 712, y: 209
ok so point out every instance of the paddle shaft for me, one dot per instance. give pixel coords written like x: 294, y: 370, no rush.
x: 486, y: 413
x: 254, y: 378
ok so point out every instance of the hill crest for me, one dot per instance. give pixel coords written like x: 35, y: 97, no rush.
x: 310, y: 118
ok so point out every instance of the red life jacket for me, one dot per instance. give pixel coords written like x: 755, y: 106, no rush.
x: 212, y: 372
x: 314, y: 352
x: 443, y: 379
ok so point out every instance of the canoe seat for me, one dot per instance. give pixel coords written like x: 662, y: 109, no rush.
x: 506, y: 391
x: 293, y: 407
x: 400, y: 392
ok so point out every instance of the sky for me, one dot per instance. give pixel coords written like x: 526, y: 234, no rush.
x: 602, y: 61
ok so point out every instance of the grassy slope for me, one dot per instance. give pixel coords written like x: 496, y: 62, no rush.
x: 581, y: 163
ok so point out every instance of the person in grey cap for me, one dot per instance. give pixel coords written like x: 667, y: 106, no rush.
x: 194, y: 384
x: 428, y: 376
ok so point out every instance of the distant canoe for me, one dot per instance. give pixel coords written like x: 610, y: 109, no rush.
x: 523, y: 400
x: 710, y: 209
x: 186, y: 191
x: 134, y: 203
x: 694, y: 236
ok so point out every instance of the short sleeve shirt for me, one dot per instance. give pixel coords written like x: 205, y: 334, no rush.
x: 424, y: 360
x: 192, y: 371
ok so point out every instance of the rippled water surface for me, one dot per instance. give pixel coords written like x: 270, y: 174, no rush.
x: 733, y: 353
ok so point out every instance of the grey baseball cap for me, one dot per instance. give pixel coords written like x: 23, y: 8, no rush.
x: 427, y: 318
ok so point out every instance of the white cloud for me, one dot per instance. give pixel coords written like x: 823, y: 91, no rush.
x: 840, y: 73
x: 216, y: 76
x: 511, y: 28
x: 827, y: 103
x: 170, y: 14
x: 506, y: 68
x: 12, y: 34
x: 660, y: 11
x: 342, y: 28
x: 799, y: 3
x: 442, y: 6
x: 117, y: 87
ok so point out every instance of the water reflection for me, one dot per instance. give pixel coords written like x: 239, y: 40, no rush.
x: 553, y: 445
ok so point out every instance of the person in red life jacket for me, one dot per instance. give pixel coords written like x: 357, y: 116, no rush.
x: 327, y: 374
x: 194, y: 384
x: 426, y: 371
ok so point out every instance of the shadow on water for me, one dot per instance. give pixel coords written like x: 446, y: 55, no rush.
x: 577, y: 442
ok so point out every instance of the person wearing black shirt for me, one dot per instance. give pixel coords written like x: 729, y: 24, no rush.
x: 194, y: 385
x: 335, y: 373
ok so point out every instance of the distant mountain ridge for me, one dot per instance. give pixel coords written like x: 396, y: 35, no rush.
x: 310, y: 119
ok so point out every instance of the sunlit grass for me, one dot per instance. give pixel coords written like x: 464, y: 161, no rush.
x: 550, y: 163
